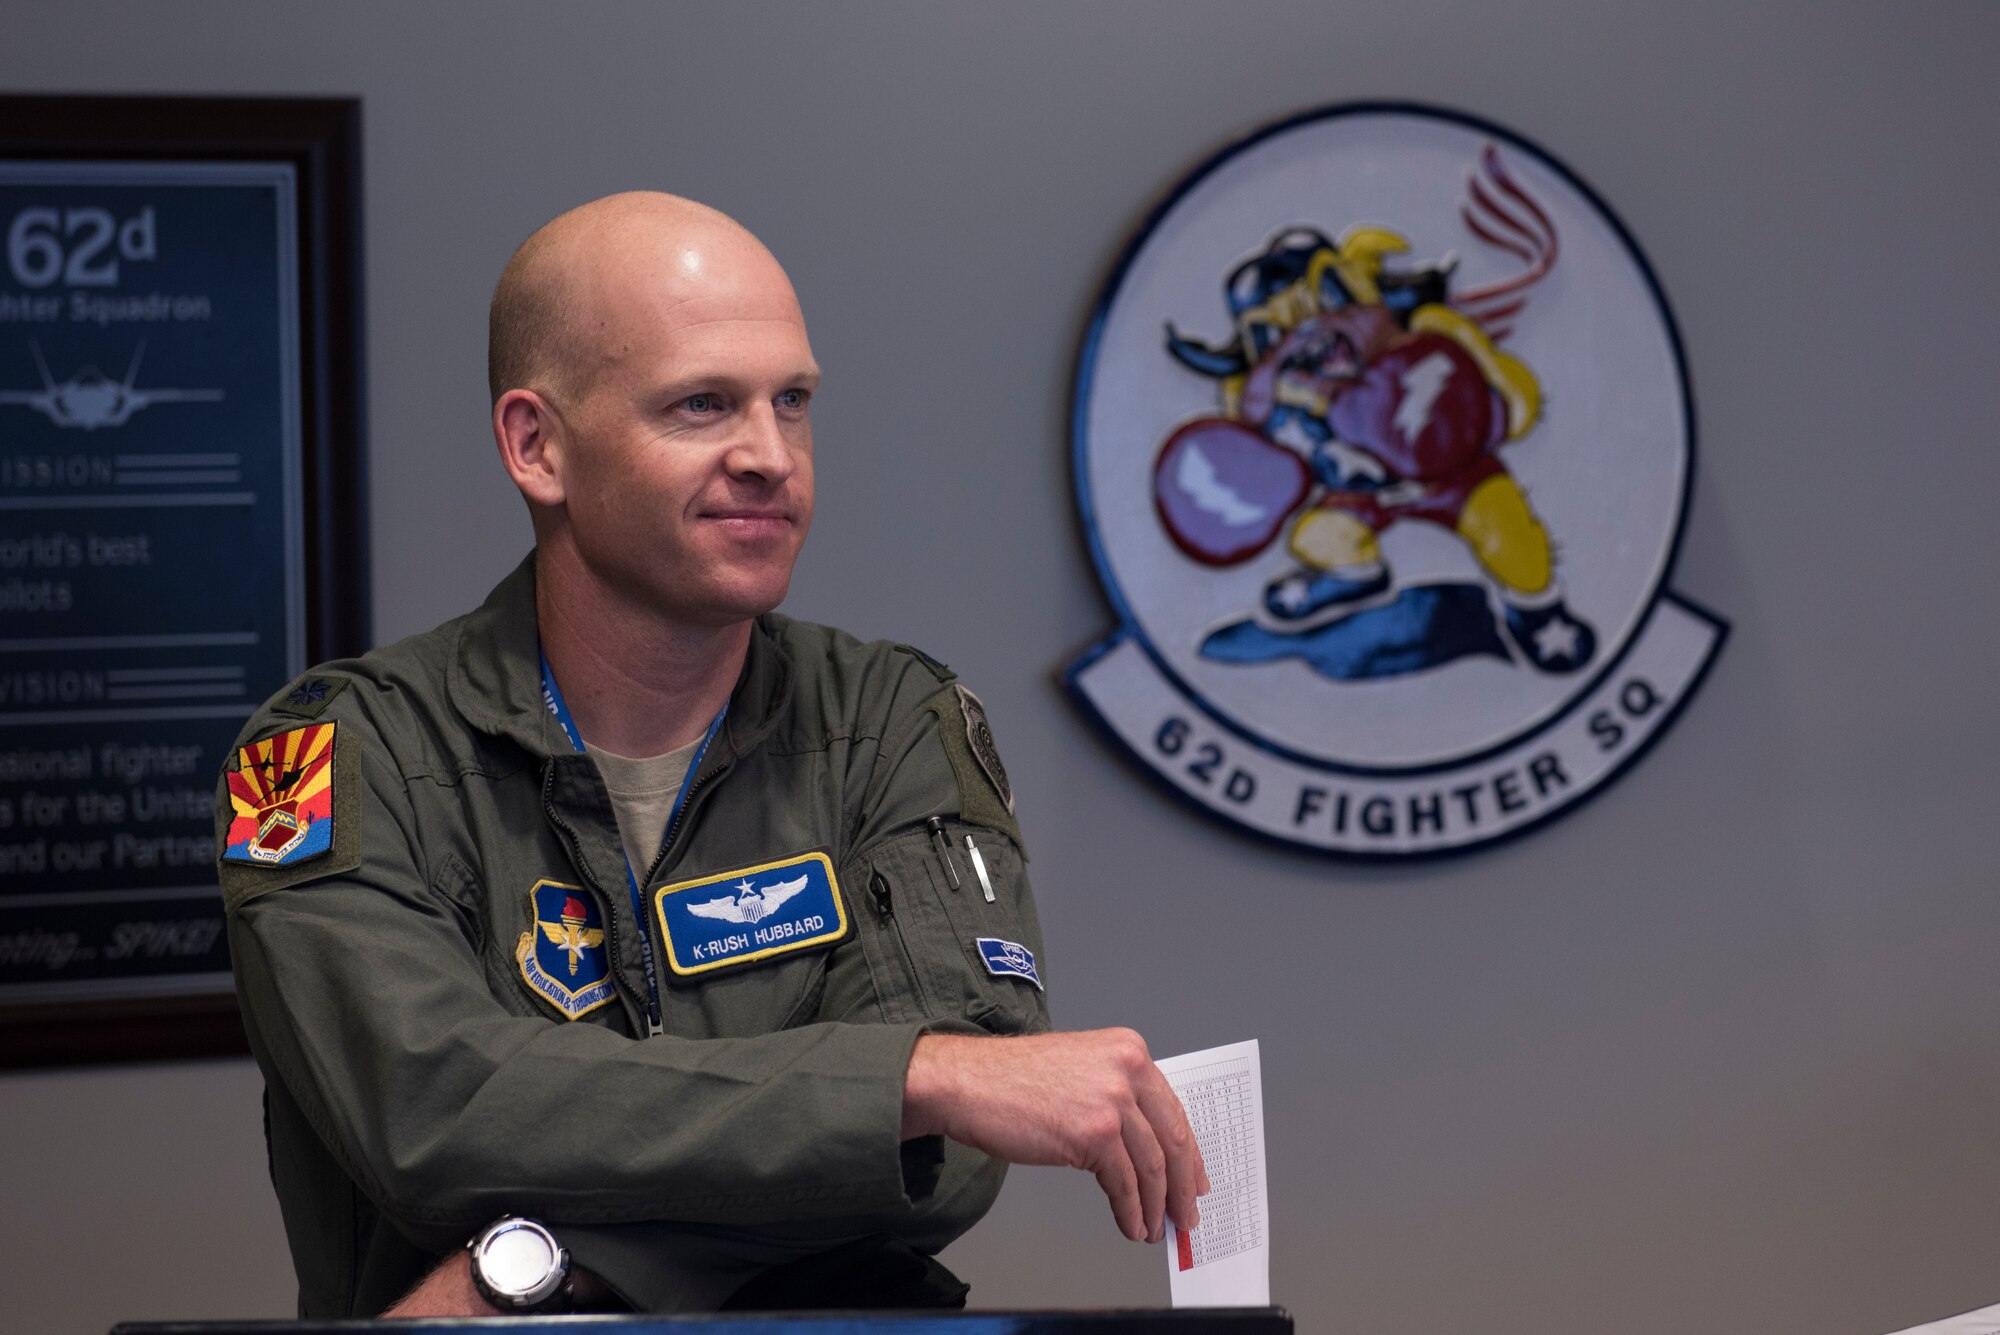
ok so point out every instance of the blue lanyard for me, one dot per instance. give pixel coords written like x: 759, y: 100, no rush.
x: 552, y: 696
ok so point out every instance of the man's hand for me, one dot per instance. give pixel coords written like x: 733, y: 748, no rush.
x: 1091, y: 1100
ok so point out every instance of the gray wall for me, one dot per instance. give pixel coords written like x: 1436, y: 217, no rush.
x: 1716, y: 1053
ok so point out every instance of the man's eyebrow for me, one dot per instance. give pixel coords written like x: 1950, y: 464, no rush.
x: 701, y: 381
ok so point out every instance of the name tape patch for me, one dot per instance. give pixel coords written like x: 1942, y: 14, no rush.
x: 562, y: 957
x: 282, y: 796
x: 750, y: 914
x: 1008, y: 959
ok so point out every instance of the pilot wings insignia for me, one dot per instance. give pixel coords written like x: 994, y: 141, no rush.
x: 748, y: 904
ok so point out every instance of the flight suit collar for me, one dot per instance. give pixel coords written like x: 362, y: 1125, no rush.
x: 495, y: 677
x: 495, y: 681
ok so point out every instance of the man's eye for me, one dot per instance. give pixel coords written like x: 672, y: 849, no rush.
x: 792, y: 398
x: 702, y: 403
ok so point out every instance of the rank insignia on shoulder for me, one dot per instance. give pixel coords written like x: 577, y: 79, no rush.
x: 282, y: 795
x: 979, y: 736
x: 1007, y: 959
x: 936, y: 669
x: 310, y: 695
x: 751, y: 914
x: 562, y: 957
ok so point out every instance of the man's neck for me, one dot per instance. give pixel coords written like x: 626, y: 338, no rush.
x: 635, y: 685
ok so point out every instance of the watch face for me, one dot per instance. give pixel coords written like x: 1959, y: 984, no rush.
x: 517, y: 1261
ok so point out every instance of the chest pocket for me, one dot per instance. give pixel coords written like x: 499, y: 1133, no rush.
x: 925, y: 933
x: 760, y: 999
x: 745, y: 952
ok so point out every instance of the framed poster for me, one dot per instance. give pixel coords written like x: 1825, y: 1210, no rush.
x: 181, y: 529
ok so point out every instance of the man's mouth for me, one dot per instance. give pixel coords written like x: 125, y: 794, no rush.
x: 752, y: 522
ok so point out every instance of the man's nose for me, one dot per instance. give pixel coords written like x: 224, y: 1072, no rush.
x: 763, y: 449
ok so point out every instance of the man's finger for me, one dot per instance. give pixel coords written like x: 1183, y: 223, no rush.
x: 1181, y: 1206
x: 1149, y: 1162
x: 1121, y: 1188
x: 1186, y: 1175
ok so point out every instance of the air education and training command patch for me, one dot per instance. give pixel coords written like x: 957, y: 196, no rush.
x: 282, y: 792
x: 562, y: 957
x: 751, y: 914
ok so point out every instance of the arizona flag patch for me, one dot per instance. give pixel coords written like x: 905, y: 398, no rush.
x: 282, y: 792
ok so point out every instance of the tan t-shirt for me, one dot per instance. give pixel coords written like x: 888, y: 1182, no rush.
x: 642, y: 794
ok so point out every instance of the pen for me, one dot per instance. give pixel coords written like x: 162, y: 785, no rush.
x: 944, y: 852
x: 979, y: 866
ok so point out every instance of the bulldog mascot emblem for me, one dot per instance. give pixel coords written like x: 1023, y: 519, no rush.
x: 1415, y: 484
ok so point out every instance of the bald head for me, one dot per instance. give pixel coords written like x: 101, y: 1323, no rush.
x: 651, y: 381
x: 554, y: 322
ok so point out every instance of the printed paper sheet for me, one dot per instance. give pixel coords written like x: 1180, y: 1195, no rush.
x: 1226, y: 1260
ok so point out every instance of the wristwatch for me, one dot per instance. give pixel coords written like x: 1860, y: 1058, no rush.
x: 518, y: 1266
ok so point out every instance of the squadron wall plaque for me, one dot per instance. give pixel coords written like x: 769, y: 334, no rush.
x: 1383, y: 444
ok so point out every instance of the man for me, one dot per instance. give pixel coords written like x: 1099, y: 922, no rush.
x: 697, y: 936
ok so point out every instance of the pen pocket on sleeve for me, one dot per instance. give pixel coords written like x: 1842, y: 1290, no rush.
x: 968, y: 958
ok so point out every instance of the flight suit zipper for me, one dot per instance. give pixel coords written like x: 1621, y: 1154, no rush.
x: 680, y: 813
x: 884, y: 896
x: 635, y: 890
x: 576, y: 856
x: 655, y: 1027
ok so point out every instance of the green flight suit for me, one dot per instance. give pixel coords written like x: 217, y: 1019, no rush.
x: 418, y: 1087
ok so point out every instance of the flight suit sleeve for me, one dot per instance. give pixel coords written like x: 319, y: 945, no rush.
x: 955, y: 916
x: 362, y: 993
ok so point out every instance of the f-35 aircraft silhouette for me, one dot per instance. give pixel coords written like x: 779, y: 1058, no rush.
x: 90, y: 399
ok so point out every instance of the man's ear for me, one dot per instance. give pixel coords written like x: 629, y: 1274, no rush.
x: 529, y: 435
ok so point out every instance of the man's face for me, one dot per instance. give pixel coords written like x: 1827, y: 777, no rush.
x: 687, y: 465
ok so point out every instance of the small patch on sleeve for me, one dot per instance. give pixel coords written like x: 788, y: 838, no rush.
x: 290, y: 814
x: 282, y: 793
x: 1008, y: 959
x: 979, y: 738
x: 985, y: 796
x: 309, y: 696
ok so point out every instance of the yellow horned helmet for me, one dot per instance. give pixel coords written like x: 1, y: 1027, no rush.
x: 1357, y: 261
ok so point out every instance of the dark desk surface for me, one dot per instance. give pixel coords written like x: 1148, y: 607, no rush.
x: 1122, y: 1321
